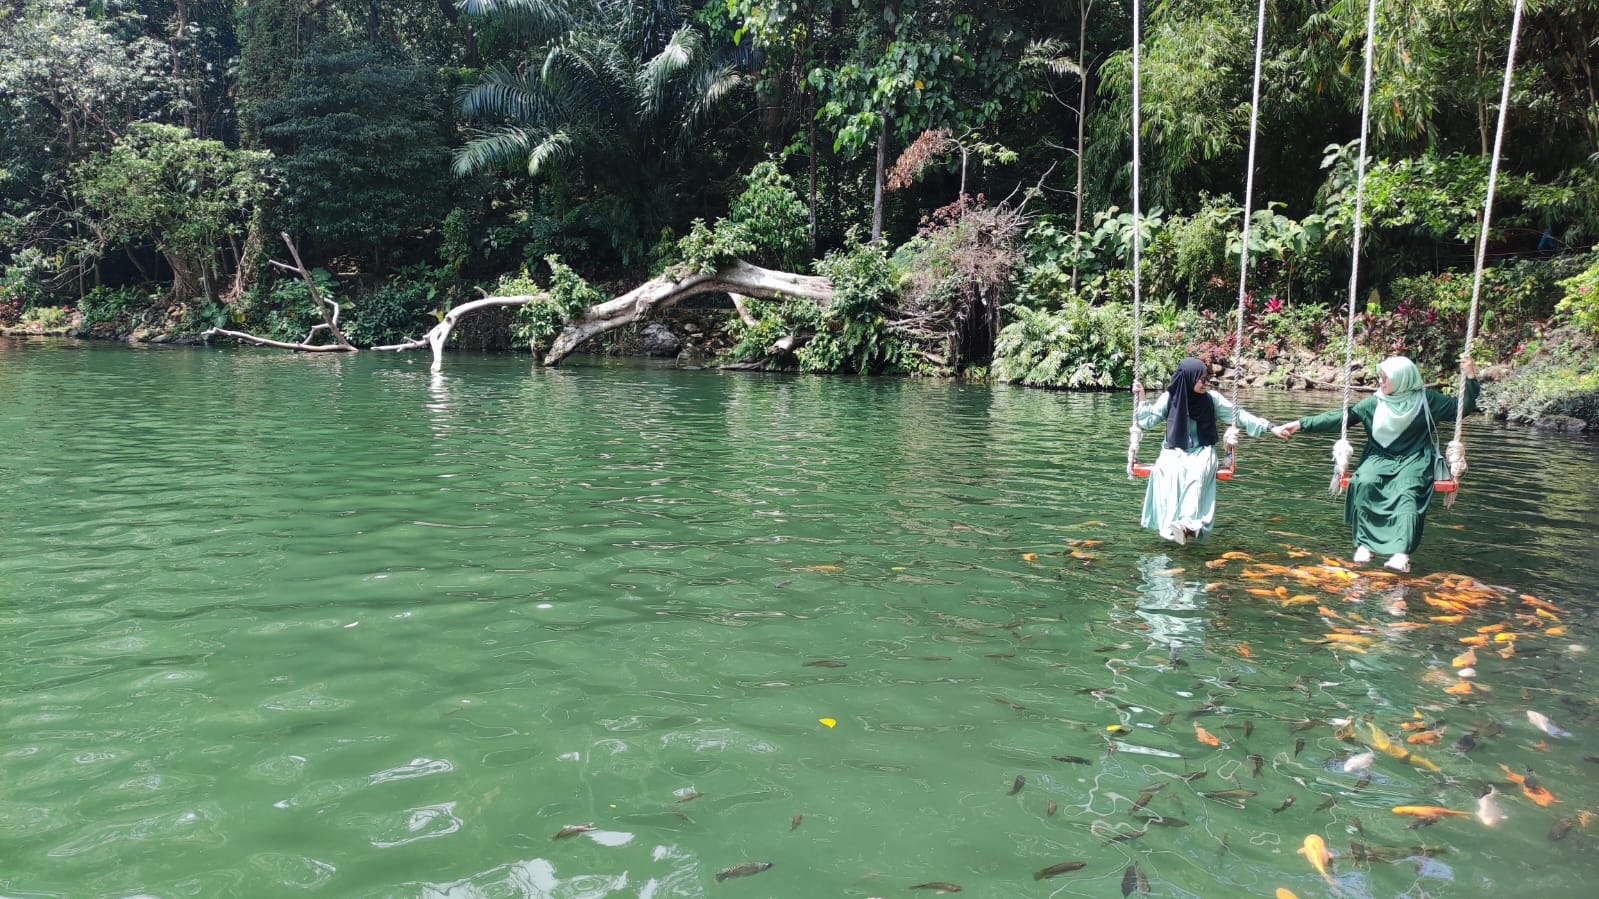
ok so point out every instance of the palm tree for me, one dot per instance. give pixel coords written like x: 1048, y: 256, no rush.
x: 613, y: 95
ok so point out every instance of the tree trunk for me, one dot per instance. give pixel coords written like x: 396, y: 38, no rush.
x: 1082, y: 116
x: 665, y: 292
x: 877, y: 182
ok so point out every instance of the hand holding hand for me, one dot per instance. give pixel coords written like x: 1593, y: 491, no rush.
x: 1286, y: 431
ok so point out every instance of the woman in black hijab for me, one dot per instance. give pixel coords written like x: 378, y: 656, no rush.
x: 1180, y: 500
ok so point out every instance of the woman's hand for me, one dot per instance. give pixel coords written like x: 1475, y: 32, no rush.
x: 1467, y: 366
x: 1138, y: 391
x: 1286, y: 431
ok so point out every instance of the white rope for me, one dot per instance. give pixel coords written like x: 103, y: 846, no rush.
x: 1343, y: 450
x: 1135, y: 433
x: 1456, y: 453
x: 1231, y: 440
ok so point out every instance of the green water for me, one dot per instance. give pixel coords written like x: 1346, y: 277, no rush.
x: 279, y: 626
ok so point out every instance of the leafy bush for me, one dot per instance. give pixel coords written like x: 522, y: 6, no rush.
x: 853, y: 334
x: 539, y: 321
x: 394, y: 312
x: 110, y: 306
x: 1084, y: 345
x: 1580, y: 303
x: 45, y: 318
x: 1563, y: 379
x: 290, y: 312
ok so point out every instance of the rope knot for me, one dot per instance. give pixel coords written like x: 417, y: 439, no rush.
x: 1134, y: 435
x: 1343, y: 451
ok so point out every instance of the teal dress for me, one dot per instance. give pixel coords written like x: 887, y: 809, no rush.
x: 1182, y: 484
x: 1386, y: 505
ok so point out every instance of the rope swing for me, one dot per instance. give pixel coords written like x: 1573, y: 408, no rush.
x: 1456, y: 450
x: 1229, y: 464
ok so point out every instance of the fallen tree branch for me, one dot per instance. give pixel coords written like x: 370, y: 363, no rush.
x: 440, y: 332
x: 737, y: 277
x: 330, y: 316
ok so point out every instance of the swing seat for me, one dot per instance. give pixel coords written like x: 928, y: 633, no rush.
x: 1442, y: 485
x: 1142, y: 469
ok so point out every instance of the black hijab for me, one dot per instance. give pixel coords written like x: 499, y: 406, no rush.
x: 1183, y: 405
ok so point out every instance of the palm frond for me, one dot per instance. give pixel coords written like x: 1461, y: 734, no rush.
x: 553, y: 148
x: 509, y: 94
x: 1050, y: 55
x: 526, y: 16
x: 493, y: 148
x: 655, y: 77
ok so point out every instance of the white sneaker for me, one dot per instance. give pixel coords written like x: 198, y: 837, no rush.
x: 1174, y: 532
x: 1362, y: 555
x: 1398, y: 562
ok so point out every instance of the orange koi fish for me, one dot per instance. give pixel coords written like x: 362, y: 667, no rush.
x: 1537, y: 793
x: 1315, y: 851
x: 1428, y: 811
x: 1205, y: 736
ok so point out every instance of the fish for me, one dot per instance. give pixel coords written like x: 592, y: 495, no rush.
x: 1287, y: 804
x: 1161, y: 820
x: 814, y: 568
x: 1326, y: 804
x: 1133, y: 880
x: 1488, y: 811
x: 943, y: 886
x: 1071, y: 759
x: 1016, y: 786
x: 1006, y: 702
x: 1049, y: 810
x: 1307, y: 724
x: 1363, y: 781
x: 1205, y: 736
x: 1490, y: 730
x: 1429, y: 811
x: 1143, y: 800
x: 827, y: 663
x: 1234, y: 798
x: 1530, y: 786
x: 1029, y: 557
x: 1258, y: 763
x: 1362, y: 852
x: 1192, y: 776
x: 1061, y: 868
x: 572, y: 830
x: 1299, y: 746
x: 1315, y: 851
x: 1359, y: 761
x: 1542, y: 722
x: 1284, y: 893
x: 794, y: 825
x: 1561, y: 828
x: 742, y: 869
x: 1166, y: 718
x: 689, y: 795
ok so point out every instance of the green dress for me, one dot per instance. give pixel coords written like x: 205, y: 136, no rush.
x: 1386, y: 505
x: 1182, y: 484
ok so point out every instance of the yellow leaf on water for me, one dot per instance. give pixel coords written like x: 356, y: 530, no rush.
x: 828, y: 721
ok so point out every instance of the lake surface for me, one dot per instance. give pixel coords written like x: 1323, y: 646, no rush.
x: 329, y: 626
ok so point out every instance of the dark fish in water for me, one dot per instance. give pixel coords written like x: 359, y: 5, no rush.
x: 1062, y: 868
x: 1143, y: 800
x: 999, y: 655
x: 1133, y: 879
x: 1326, y: 804
x: 781, y: 584
x: 1307, y: 724
x: 572, y: 830
x: 1530, y: 780
x: 1017, y: 786
x: 1287, y: 804
x: 1192, y: 776
x: 1248, y: 727
x: 742, y: 869
x: 1072, y: 759
x: 1258, y: 762
x: 1490, y: 730
x: 1299, y: 746
x: 827, y: 663
x: 1095, y: 690
x: 794, y: 825
x: 1560, y: 828
x: 689, y: 795
x: 1161, y: 820
x: 1121, y: 836
x: 935, y: 658
x: 1166, y: 718
x: 1372, y: 852
x: 1234, y: 798
x: 943, y: 886
x: 1363, y: 781
x: 1153, y: 788
x: 1050, y: 809
x: 1003, y: 701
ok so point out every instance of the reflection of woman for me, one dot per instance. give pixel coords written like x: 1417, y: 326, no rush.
x: 1180, y: 501
x: 1173, y: 608
x: 1390, y: 489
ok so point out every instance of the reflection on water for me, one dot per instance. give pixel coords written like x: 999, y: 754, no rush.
x: 344, y: 627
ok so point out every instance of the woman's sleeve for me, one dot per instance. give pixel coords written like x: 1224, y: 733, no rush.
x: 1444, y: 406
x: 1331, y: 421
x: 1252, y: 424
x: 1150, y: 414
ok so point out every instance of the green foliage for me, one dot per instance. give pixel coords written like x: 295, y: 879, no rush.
x: 703, y: 249
x: 1562, y: 379
x: 290, y: 312
x: 360, y: 143
x: 545, y: 317
x: 1580, y: 303
x: 1083, y: 345
x: 110, y: 306
x: 160, y: 184
x: 853, y: 334
x: 45, y: 319
x: 772, y: 217
x: 393, y: 312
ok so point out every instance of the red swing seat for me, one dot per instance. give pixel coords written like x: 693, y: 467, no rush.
x: 1442, y: 485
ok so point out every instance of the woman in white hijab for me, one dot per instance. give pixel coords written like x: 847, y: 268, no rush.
x: 1386, y: 505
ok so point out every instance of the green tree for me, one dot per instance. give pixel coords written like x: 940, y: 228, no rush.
x: 162, y: 186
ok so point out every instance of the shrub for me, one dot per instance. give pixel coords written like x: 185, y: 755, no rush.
x: 392, y: 313
x: 1086, y: 346
x: 1563, y: 379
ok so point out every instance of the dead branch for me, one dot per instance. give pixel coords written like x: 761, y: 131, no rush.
x: 737, y: 277
x: 330, y: 316
x: 440, y: 332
